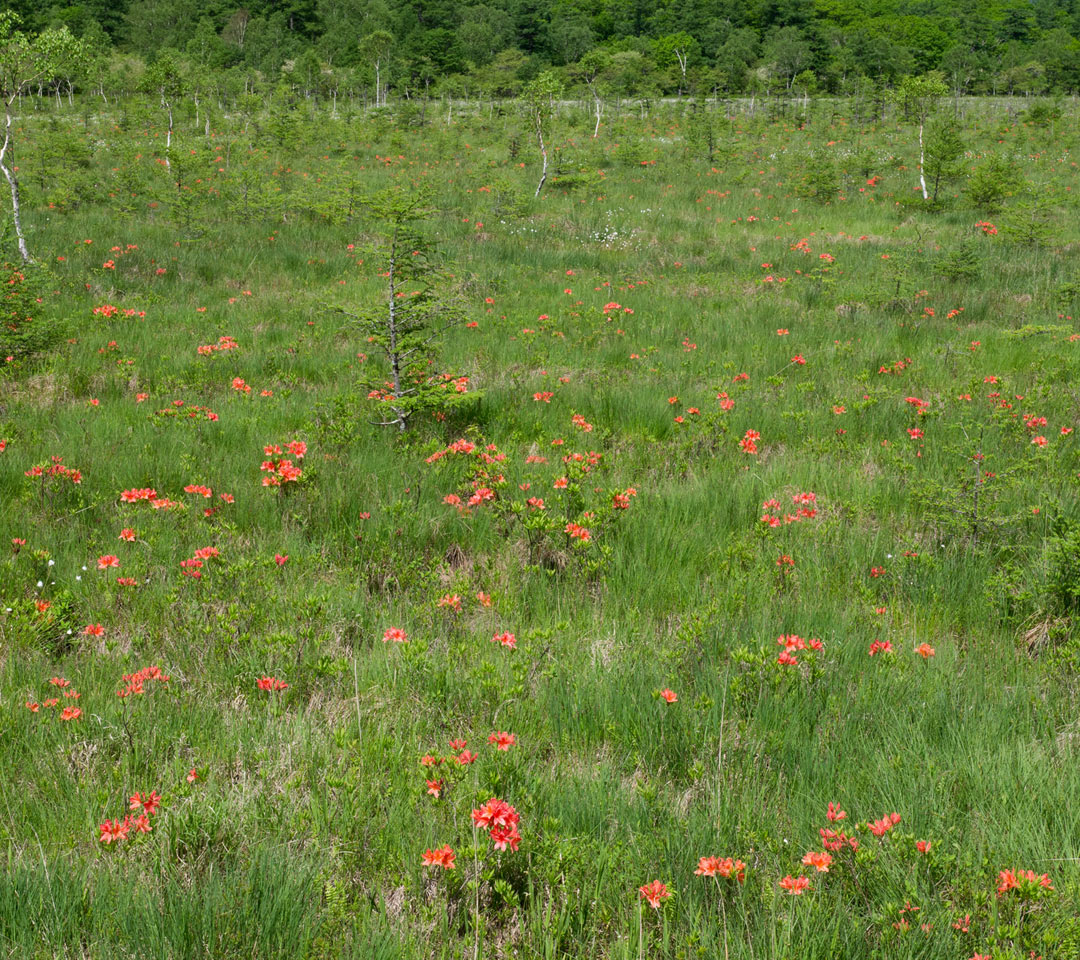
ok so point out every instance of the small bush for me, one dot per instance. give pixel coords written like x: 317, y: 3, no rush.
x: 820, y: 181
x: 1063, y: 568
x: 962, y: 264
x: 992, y: 182
x: 25, y: 328
x: 1043, y: 112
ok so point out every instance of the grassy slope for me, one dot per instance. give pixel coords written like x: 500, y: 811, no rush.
x: 304, y: 830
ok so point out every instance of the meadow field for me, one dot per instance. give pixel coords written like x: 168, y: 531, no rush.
x: 720, y: 600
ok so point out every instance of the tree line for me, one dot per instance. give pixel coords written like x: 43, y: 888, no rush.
x: 626, y: 48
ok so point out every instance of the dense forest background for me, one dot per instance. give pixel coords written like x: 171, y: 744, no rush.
x: 636, y: 48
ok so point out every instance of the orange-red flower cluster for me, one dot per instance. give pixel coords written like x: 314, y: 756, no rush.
x: 282, y: 470
x: 748, y: 444
x: 439, y: 857
x: 272, y: 684
x: 135, y: 682
x: 55, y: 469
x: 114, y: 831
x: 654, y: 893
x: 1023, y: 881
x: 805, y: 509
x: 501, y: 820
x: 223, y: 344
x: 725, y: 867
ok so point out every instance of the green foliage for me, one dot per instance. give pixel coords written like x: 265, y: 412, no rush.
x: 369, y: 52
x: 164, y: 79
x: 1067, y: 295
x: 819, y: 180
x: 1043, y: 112
x: 918, y: 96
x: 181, y: 190
x: 582, y: 178
x: 28, y: 327
x: 1063, y: 567
x: 283, y: 122
x: 375, y: 49
x: 508, y: 200
x: 539, y: 95
x: 992, y: 182
x: 27, y: 59
x: 944, y: 161
x: 60, y: 167
x: 631, y: 152
x: 1031, y: 220
x: 700, y: 132
x: 963, y: 264
x: 414, y: 311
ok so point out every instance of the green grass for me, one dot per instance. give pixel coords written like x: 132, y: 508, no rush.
x: 303, y: 831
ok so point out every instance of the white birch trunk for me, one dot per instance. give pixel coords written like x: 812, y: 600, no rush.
x: 168, y: 135
x: 922, y: 162
x: 543, y: 153
x: 13, y: 182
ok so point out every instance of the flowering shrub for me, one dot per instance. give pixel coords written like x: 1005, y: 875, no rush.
x: 282, y: 471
